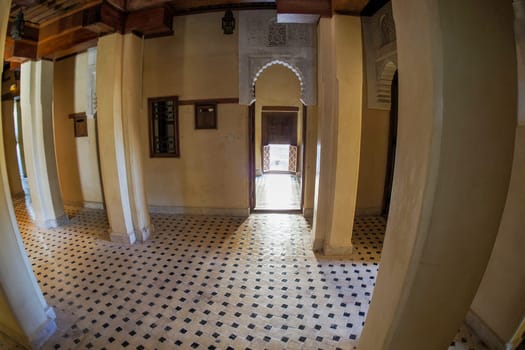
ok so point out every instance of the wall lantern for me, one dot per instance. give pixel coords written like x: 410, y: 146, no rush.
x: 228, y: 22
x: 17, y: 30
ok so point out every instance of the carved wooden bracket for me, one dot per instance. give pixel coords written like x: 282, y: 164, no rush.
x: 80, y: 29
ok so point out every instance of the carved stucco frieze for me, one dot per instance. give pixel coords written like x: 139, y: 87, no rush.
x: 91, y: 95
x: 380, y: 56
x: 264, y: 42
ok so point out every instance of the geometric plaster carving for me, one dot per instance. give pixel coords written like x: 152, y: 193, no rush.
x: 91, y: 83
x: 295, y: 70
x: 380, y: 56
x: 263, y: 42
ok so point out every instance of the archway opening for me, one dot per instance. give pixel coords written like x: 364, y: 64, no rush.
x: 278, y: 138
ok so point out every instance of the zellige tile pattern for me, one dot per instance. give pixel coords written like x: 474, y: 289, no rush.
x: 202, y: 282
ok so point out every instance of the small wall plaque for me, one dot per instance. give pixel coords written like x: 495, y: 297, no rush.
x: 80, y: 124
x: 205, y: 115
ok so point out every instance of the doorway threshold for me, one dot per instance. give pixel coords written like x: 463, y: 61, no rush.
x: 276, y: 211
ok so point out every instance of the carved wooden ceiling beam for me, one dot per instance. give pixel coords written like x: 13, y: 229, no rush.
x: 65, y: 26
x: 322, y: 8
x: 151, y: 22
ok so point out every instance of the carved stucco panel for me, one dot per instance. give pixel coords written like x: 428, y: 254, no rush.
x: 263, y: 42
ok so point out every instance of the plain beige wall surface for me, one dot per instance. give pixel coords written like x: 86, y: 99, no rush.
x: 455, y: 145
x: 500, y: 301
x: 197, y: 62
x: 276, y: 86
x: 8, y: 129
x: 373, y: 161
x: 77, y: 158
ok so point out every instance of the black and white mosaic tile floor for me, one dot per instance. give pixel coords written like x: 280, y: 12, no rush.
x: 204, y: 283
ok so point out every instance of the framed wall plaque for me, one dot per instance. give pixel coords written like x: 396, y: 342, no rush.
x: 205, y: 115
x: 80, y: 124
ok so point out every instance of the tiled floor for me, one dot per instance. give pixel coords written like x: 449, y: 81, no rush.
x: 277, y: 191
x: 203, y: 283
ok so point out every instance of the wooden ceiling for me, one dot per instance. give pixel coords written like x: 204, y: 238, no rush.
x: 57, y: 28
x: 38, y: 12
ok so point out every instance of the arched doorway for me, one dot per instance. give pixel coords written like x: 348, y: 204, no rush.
x: 277, y: 139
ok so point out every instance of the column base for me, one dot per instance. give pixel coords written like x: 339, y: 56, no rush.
x: 53, y: 223
x: 144, y: 233
x: 337, y: 251
x: 308, y: 212
x: 317, y: 245
x: 126, y: 238
x: 488, y: 336
x: 45, y: 331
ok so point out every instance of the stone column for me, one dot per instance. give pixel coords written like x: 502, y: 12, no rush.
x: 339, y: 133
x: 457, y: 123
x: 36, y: 98
x: 326, y: 142
x: 119, y: 104
x: 24, y: 313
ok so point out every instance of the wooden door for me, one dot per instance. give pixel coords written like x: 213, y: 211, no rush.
x: 279, y: 128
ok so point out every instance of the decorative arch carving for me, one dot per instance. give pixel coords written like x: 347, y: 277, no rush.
x: 263, y: 42
x: 295, y: 70
x: 379, y: 35
x: 384, y: 82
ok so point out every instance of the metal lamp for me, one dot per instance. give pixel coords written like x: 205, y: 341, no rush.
x: 228, y: 22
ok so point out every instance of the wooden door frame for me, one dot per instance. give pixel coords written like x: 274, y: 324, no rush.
x: 392, y: 144
x: 251, y: 156
x: 251, y: 165
x: 303, y: 155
